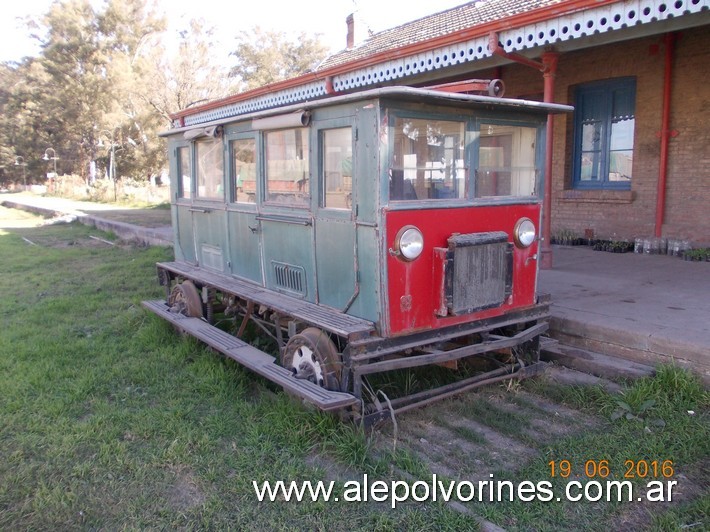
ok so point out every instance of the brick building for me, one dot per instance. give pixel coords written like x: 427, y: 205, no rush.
x: 630, y: 161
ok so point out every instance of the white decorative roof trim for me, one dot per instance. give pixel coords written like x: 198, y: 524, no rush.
x: 582, y: 23
x: 266, y: 101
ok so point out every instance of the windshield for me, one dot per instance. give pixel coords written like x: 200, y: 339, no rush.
x: 427, y: 160
x: 506, y: 161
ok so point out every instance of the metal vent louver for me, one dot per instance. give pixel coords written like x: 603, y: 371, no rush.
x: 289, y: 277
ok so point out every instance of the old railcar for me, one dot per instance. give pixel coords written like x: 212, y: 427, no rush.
x: 366, y: 233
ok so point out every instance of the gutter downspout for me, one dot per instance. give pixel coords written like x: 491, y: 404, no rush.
x: 548, y: 67
x: 669, y: 41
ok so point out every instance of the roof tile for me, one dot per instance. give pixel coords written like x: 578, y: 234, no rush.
x: 449, y: 21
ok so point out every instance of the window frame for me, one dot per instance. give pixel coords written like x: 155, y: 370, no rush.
x: 606, y: 88
x: 395, y: 114
x: 179, y: 185
x: 219, y: 143
x: 322, y: 130
x: 232, y: 196
x: 270, y: 202
x: 538, y: 157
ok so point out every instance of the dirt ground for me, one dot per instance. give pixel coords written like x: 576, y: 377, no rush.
x: 492, y: 429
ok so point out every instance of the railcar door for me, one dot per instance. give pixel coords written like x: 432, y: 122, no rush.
x: 285, y: 216
x: 208, y: 214
x: 335, y: 240
x: 182, y: 217
x: 243, y: 225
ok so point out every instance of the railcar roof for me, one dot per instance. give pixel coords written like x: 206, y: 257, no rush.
x: 409, y: 94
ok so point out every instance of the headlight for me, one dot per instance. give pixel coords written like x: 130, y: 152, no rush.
x: 409, y: 243
x: 524, y: 233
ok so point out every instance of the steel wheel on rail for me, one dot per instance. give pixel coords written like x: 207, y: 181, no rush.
x: 311, y: 355
x: 185, y: 299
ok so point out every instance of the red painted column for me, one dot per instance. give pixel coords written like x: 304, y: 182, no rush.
x: 549, y: 60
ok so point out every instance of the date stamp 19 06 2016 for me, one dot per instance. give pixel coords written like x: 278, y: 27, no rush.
x: 631, y: 469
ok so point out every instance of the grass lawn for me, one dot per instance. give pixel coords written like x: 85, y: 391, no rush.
x: 110, y: 420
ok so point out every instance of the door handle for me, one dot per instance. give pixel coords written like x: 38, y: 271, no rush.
x: 254, y: 230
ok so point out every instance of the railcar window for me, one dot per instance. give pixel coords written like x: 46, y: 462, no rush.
x: 244, y: 164
x: 506, y: 161
x: 427, y: 160
x: 210, y: 169
x: 184, y: 172
x: 337, y: 168
x: 287, y: 173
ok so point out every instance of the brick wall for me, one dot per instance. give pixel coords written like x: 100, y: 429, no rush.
x: 628, y: 214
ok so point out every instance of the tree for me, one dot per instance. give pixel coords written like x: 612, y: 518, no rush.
x: 102, y: 86
x: 22, y: 129
x: 266, y: 57
x: 77, y: 92
x: 132, y: 31
x: 187, y: 77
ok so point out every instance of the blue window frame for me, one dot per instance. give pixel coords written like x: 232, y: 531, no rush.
x: 604, y: 134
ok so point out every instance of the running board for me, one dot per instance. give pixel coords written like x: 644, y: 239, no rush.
x: 252, y: 358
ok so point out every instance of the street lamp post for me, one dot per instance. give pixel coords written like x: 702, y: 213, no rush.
x: 53, y: 181
x: 112, y: 160
x: 23, y: 164
x: 52, y: 158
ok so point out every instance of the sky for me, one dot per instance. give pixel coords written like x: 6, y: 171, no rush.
x: 229, y: 17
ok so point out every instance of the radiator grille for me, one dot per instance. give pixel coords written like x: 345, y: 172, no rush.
x: 478, y: 272
x: 289, y: 277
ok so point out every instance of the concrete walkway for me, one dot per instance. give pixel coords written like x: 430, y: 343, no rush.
x: 638, y: 308
x: 645, y: 308
x: 148, y: 226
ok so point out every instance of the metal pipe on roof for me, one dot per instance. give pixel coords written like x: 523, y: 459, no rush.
x: 300, y: 118
x: 496, y: 49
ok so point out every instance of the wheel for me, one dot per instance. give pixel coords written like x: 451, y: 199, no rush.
x: 311, y: 355
x: 185, y: 299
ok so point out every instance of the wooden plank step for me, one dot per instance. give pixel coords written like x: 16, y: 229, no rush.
x: 252, y: 358
x: 598, y: 364
x: 330, y: 320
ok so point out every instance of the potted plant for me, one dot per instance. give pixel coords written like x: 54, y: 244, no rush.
x: 565, y: 237
x: 699, y: 254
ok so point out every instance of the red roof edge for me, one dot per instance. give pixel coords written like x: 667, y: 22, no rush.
x: 515, y: 21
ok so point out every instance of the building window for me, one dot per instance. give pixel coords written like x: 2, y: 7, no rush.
x: 287, y: 172
x: 604, y: 134
x: 184, y: 172
x: 337, y: 168
x: 210, y: 169
x: 244, y: 165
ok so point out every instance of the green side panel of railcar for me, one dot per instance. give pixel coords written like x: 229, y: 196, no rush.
x: 288, y: 258
x: 367, y: 304
x: 244, y: 248
x: 335, y: 262
x: 210, y: 239
x: 184, y: 237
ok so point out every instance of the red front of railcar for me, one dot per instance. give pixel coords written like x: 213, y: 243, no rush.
x: 495, y: 274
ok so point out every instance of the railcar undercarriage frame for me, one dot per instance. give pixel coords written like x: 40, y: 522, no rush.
x: 325, y: 357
